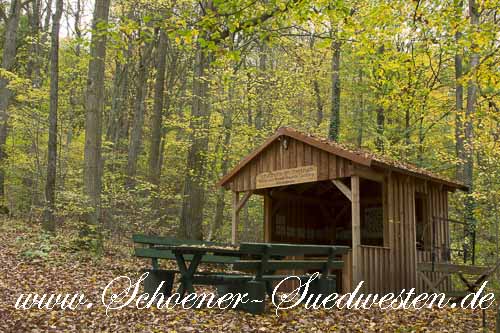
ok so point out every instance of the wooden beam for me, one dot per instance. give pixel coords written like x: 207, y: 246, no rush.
x: 344, y: 189
x: 306, y: 199
x: 356, y: 232
x: 368, y: 173
x: 451, y: 268
x: 235, y: 217
x: 243, y: 200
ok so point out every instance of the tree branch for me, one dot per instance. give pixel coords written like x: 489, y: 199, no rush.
x: 254, y: 21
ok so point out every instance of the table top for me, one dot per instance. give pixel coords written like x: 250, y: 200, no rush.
x: 196, y: 249
x: 235, y: 250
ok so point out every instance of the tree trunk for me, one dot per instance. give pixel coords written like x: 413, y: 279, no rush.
x: 74, y: 97
x: 172, y: 77
x: 33, y: 68
x: 8, y: 61
x: 50, y: 185
x: 469, y: 115
x: 194, y: 190
x: 334, y: 130
x: 319, y: 102
x: 119, y: 103
x: 139, y: 111
x: 360, y: 113
x: 221, y: 192
x: 157, y: 118
x: 459, y: 105
x: 48, y: 13
x: 259, y: 121
x: 93, y: 119
x: 379, y: 142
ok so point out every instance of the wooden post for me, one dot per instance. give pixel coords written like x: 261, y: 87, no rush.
x: 235, y: 217
x: 356, y: 232
x: 267, y: 218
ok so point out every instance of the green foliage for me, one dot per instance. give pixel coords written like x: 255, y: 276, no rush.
x: 40, y: 249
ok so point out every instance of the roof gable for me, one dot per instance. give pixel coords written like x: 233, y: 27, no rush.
x: 358, y: 156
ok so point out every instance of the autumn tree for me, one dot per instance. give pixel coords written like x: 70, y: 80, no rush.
x: 50, y: 184
x: 94, y: 105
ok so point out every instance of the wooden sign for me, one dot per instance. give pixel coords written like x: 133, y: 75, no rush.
x: 283, y: 177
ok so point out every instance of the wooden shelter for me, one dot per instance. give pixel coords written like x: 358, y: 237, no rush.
x: 316, y: 191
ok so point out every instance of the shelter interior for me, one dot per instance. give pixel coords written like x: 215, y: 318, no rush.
x: 319, y: 213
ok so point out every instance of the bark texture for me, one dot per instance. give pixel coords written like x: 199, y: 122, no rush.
x: 8, y: 61
x: 50, y: 184
x: 194, y: 189
x: 94, y: 105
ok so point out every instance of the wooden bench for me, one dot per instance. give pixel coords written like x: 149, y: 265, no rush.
x: 154, y: 252
x: 258, y: 263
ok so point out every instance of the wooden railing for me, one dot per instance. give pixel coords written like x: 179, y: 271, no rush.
x: 426, y: 256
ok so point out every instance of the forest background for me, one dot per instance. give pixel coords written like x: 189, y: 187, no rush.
x: 120, y: 116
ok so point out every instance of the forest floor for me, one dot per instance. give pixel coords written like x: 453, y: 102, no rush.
x: 32, y: 262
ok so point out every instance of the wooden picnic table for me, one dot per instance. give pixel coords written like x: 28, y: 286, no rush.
x: 194, y: 254
x: 258, y: 261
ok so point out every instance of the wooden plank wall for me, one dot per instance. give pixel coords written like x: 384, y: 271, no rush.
x: 438, y: 207
x: 402, y: 233
x: 276, y: 157
x: 374, y: 263
x: 394, y: 268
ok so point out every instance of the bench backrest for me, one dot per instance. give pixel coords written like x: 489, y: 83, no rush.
x: 277, y: 249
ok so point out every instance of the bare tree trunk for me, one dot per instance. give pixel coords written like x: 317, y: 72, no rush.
x: 8, y: 61
x: 93, y: 120
x: 139, y: 111
x: 119, y: 103
x: 194, y: 189
x: 74, y: 98
x: 360, y: 112
x: 469, y: 115
x: 459, y: 105
x: 407, y: 129
x: 48, y: 14
x: 316, y: 89
x: 221, y: 193
x: 334, y: 130
x: 259, y: 121
x: 172, y: 77
x: 157, y: 118
x: 379, y: 142
x: 33, y: 68
x: 319, y: 102
x: 50, y: 185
